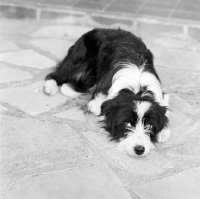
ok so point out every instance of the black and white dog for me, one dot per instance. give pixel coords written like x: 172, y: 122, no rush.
x: 118, y: 69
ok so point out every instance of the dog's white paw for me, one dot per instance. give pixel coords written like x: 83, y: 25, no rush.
x: 163, y: 135
x: 94, y: 107
x: 50, y: 87
x: 67, y: 90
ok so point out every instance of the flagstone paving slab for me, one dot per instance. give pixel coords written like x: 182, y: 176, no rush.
x: 181, y: 105
x: 184, y: 185
x: 187, y: 143
x: 194, y: 47
x: 73, y: 114
x: 178, y: 78
x: 94, y: 182
x: 100, y: 140
x: 2, y: 108
x: 152, y: 165
x: 28, y: 58
x: 8, y: 46
x: 175, y: 58
x: 167, y: 42
x: 177, y: 119
x: 31, y: 99
x: 9, y: 74
x: 71, y: 31
x: 28, y: 144
x: 57, y: 47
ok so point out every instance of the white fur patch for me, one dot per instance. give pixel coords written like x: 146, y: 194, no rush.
x: 94, y: 106
x: 152, y: 83
x: 127, y: 77
x: 67, y: 90
x: 133, y: 77
x: 142, y: 108
x: 134, y: 140
x: 50, y: 87
x: 136, y: 137
x: 164, y: 135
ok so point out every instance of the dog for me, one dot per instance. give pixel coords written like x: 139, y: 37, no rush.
x: 117, y: 69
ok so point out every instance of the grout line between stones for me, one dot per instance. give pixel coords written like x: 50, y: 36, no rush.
x: 142, y: 6
x: 173, y: 9
x: 108, y: 5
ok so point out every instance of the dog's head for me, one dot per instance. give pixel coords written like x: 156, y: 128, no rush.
x: 134, y: 120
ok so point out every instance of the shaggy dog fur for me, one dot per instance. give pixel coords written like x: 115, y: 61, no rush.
x: 118, y: 69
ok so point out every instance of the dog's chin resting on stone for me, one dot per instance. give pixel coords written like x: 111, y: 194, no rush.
x: 117, y: 69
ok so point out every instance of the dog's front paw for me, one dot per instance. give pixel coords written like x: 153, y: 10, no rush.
x: 163, y: 135
x: 50, y: 87
x: 94, y: 107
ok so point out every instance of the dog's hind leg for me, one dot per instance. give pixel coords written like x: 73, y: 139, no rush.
x: 50, y: 87
x: 74, y: 74
x: 69, y: 91
x: 54, y: 80
x: 58, y: 77
x: 71, y: 84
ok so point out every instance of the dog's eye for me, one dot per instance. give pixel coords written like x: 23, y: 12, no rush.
x: 149, y: 126
x: 128, y: 124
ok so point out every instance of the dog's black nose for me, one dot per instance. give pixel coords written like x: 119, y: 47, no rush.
x: 139, y: 150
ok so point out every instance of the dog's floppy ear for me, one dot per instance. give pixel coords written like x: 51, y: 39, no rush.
x: 114, y: 110
x: 107, y: 107
x: 115, y: 116
x: 108, y: 113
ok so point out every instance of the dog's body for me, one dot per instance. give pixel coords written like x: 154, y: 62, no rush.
x: 118, y: 69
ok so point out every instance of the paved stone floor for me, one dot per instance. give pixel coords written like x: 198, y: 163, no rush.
x: 50, y: 149
x: 169, y: 10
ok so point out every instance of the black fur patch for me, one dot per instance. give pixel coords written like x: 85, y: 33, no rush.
x: 94, y: 56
